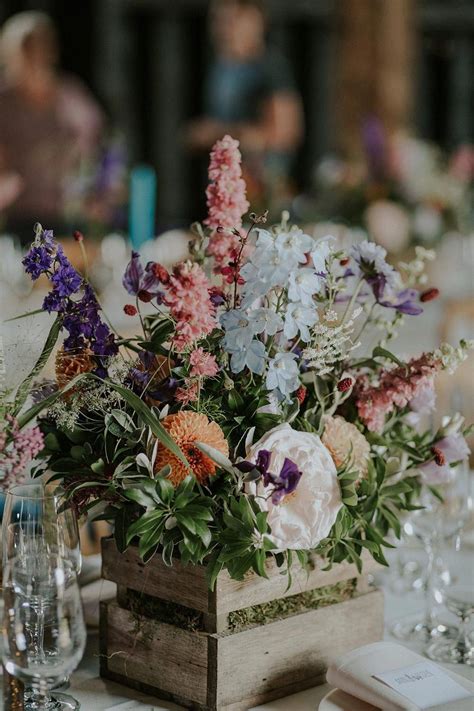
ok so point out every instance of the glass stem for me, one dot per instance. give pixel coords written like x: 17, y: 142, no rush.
x: 463, y: 642
x: 40, y: 698
x: 429, y: 585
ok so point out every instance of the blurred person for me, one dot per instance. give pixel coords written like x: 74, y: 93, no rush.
x: 249, y: 93
x: 49, y: 123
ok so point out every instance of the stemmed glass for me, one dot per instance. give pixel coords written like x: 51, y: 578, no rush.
x: 44, y: 633
x: 438, y: 521
x: 36, y: 521
x: 458, y: 596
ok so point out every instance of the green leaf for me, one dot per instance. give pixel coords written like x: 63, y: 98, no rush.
x: 379, y: 352
x: 140, y: 497
x: 30, y: 313
x: 25, y: 387
x: 220, y: 459
x: 147, y: 416
x: 35, y: 410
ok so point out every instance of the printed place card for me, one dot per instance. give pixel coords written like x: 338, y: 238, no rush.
x: 424, y: 684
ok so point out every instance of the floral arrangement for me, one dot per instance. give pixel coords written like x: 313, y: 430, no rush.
x: 403, y: 192
x: 258, y: 411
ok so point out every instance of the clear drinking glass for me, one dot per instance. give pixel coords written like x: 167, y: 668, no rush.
x: 33, y: 510
x: 458, y: 596
x: 436, y: 522
x: 35, y: 519
x: 44, y: 635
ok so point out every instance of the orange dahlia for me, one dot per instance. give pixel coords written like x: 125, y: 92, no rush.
x: 71, y: 363
x: 187, y: 428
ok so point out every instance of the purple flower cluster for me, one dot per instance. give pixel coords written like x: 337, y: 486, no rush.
x: 80, y: 315
x: 283, y: 484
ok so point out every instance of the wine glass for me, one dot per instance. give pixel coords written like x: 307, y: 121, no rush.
x: 33, y: 510
x: 458, y: 596
x: 438, y: 521
x: 44, y: 634
x: 35, y: 517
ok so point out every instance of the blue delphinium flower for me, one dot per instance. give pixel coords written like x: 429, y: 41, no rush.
x: 283, y: 375
x: 298, y: 319
x: 38, y: 261
x: 252, y: 356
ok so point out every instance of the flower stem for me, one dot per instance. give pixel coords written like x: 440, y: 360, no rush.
x: 351, y: 303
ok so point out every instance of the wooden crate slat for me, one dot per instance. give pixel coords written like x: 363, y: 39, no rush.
x: 283, y: 657
x: 255, y: 590
x: 184, y: 585
x: 187, y: 585
x: 162, y: 656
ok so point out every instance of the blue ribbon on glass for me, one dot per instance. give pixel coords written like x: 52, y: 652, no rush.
x: 142, y: 205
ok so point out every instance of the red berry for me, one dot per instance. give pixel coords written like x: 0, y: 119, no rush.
x: 439, y: 457
x: 130, y: 310
x: 429, y: 294
x: 78, y: 236
x: 144, y: 296
x: 344, y: 262
x: 301, y: 394
x: 344, y: 385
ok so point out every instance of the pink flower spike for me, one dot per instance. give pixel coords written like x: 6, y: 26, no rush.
x: 203, y: 364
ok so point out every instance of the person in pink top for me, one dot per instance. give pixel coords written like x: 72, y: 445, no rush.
x: 49, y: 123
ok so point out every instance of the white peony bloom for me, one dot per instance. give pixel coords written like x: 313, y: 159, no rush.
x: 303, y: 518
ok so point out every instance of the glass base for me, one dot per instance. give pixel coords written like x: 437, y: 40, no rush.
x: 417, y: 630
x: 445, y: 650
x: 59, y: 702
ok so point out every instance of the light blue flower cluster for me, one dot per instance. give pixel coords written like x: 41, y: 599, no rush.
x: 289, y: 263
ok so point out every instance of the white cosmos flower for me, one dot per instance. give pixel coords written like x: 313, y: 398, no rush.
x: 303, y: 518
x: 303, y: 284
x: 293, y: 246
x: 298, y: 319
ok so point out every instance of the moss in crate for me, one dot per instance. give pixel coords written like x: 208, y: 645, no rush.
x: 287, y: 606
x: 143, y: 605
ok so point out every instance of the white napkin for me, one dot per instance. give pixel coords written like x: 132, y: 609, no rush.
x: 354, y: 673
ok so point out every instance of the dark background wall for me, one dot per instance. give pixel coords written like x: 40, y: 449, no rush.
x: 146, y: 59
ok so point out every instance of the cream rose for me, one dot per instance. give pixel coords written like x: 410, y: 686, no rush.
x: 304, y: 517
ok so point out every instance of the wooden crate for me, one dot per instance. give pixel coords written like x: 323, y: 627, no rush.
x: 214, y: 662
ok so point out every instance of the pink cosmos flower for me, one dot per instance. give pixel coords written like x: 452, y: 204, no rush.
x: 226, y: 200
x: 190, y: 304
x: 397, y: 387
x: 203, y: 364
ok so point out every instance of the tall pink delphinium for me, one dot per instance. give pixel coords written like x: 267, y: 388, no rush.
x: 226, y: 201
x: 396, y: 388
x: 190, y: 304
x: 17, y: 451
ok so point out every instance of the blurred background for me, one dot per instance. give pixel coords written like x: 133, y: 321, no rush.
x: 355, y: 115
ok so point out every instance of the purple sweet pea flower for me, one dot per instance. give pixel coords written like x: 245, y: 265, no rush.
x: 453, y: 448
x: 285, y: 483
x: 141, y: 282
x: 404, y: 301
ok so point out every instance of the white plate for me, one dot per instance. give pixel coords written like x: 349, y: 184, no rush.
x: 338, y: 700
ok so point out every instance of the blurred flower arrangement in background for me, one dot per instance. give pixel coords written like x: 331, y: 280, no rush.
x: 403, y: 191
x: 258, y: 411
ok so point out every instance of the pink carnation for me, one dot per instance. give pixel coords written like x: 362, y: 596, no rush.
x: 203, y: 363
x: 23, y: 447
x: 190, y: 304
x: 396, y: 388
x: 226, y: 200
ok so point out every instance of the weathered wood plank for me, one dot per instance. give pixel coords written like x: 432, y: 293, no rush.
x: 187, y: 585
x: 233, y: 672
x: 292, y: 654
x: 183, y: 585
x: 157, y: 654
x: 255, y: 590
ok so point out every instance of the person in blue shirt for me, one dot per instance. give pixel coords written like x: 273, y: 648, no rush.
x: 249, y: 93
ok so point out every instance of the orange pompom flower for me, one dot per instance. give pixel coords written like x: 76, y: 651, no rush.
x: 187, y: 428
